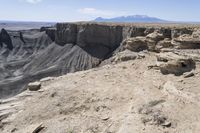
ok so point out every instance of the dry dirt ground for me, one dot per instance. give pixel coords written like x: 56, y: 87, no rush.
x: 126, y: 97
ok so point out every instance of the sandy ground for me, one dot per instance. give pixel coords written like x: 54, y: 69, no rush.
x: 118, y: 98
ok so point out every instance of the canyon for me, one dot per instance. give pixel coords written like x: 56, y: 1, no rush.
x: 134, y: 77
x: 30, y: 55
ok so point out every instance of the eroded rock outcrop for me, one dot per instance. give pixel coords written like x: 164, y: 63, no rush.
x: 177, y: 67
x: 175, y: 64
x: 66, y: 33
x: 166, y: 43
x: 159, y: 39
x: 135, y: 44
x: 5, y: 39
x: 97, y: 40
x: 140, y: 43
x: 187, y: 42
x: 50, y: 31
x: 123, y: 56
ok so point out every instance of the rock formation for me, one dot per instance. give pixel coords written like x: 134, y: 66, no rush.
x: 5, y: 39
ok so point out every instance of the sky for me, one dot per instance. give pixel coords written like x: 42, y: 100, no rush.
x: 84, y: 10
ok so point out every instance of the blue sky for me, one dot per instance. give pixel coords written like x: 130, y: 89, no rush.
x: 80, y: 10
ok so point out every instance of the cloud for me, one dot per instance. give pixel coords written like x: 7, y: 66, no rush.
x: 32, y: 1
x: 97, y: 12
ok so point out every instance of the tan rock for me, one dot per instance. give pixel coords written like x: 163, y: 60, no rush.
x: 177, y: 66
x: 166, y: 43
x: 35, y: 86
x: 135, y: 44
x: 125, y: 56
x: 187, y: 42
x: 168, y: 56
x: 156, y: 36
x: 188, y: 74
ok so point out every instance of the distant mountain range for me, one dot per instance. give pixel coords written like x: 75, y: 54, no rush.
x: 134, y: 18
x: 23, y: 25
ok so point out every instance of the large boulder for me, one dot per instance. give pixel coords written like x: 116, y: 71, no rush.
x: 167, y: 56
x: 155, y: 36
x: 166, y: 43
x: 152, y: 39
x: 35, y: 86
x: 175, y: 64
x: 135, y: 44
x: 124, y: 56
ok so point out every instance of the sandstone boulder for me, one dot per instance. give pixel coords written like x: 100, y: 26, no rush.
x: 135, y: 44
x: 166, y: 43
x: 177, y: 66
x: 168, y: 56
x: 155, y: 36
x: 171, y: 63
x: 125, y: 56
x: 35, y: 86
x: 152, y: 39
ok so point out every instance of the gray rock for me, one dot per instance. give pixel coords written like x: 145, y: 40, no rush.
x: 50, y: 31
x: 5, y: 39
